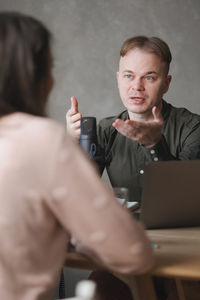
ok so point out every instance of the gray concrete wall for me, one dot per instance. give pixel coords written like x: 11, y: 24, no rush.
x: 88, y: 35
x: 87, y: 38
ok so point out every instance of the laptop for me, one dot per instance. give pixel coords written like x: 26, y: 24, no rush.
x: 171, y: 194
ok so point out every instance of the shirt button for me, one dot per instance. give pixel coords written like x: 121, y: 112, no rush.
x: 152, y: 151
x: 155, y: 159
x: 141, y: 171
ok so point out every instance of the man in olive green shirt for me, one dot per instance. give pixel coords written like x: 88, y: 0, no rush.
x: 149, y: 129
x: 125, y: 159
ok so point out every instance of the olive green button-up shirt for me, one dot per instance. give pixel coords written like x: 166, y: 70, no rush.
x: 125, y: 160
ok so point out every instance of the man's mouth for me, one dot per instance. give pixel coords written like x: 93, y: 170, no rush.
x: 137, y: 100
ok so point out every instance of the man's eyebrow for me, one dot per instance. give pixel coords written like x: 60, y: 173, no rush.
x: 128, y: 71
x: 151, y: 72
x: 147, y: 73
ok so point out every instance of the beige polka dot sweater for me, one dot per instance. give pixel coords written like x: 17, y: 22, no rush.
x: 50, y: 192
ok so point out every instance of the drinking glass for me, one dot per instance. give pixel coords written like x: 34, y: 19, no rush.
x: 121, y: 194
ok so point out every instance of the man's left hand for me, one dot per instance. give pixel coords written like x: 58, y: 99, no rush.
x: 147, y: 133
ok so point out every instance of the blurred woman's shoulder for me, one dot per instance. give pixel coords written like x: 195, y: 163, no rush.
x: 34, y: 131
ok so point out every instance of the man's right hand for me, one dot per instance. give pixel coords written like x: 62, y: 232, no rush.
x: 73, y: 120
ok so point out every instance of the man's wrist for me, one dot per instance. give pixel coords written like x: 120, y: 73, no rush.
x: 156, y: 142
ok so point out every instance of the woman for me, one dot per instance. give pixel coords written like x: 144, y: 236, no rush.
x: 49, y: 191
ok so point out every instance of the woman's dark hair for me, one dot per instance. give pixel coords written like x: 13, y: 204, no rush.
x: 24, y: 63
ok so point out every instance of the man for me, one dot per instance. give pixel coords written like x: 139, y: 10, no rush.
x: 149, y: 129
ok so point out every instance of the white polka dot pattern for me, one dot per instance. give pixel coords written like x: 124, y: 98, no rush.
x: 98, y: 236
x: 63, y: 156
x: 33, y: 195
x: 3, y: 221
x: 136, y: 249
x: 60, y: 193
x: 100, y: 202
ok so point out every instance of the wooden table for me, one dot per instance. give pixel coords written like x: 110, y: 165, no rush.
x: 177, y: 256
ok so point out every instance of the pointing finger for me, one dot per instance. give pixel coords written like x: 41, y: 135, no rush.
x: 74, y: 105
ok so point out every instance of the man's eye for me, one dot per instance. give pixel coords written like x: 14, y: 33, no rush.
x: 149, y: 78
x: 128, y: 76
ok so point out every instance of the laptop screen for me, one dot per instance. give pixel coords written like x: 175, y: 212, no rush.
x: 171, y: 194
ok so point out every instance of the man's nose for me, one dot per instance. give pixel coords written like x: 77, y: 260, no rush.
x: 137, y: 84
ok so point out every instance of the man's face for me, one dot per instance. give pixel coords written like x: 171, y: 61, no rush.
x: 142, y: 81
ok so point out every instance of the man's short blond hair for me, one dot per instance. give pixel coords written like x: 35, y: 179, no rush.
x: 150, y: 44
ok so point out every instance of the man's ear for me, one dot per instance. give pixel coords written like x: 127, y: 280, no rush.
x: 167, y: 83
